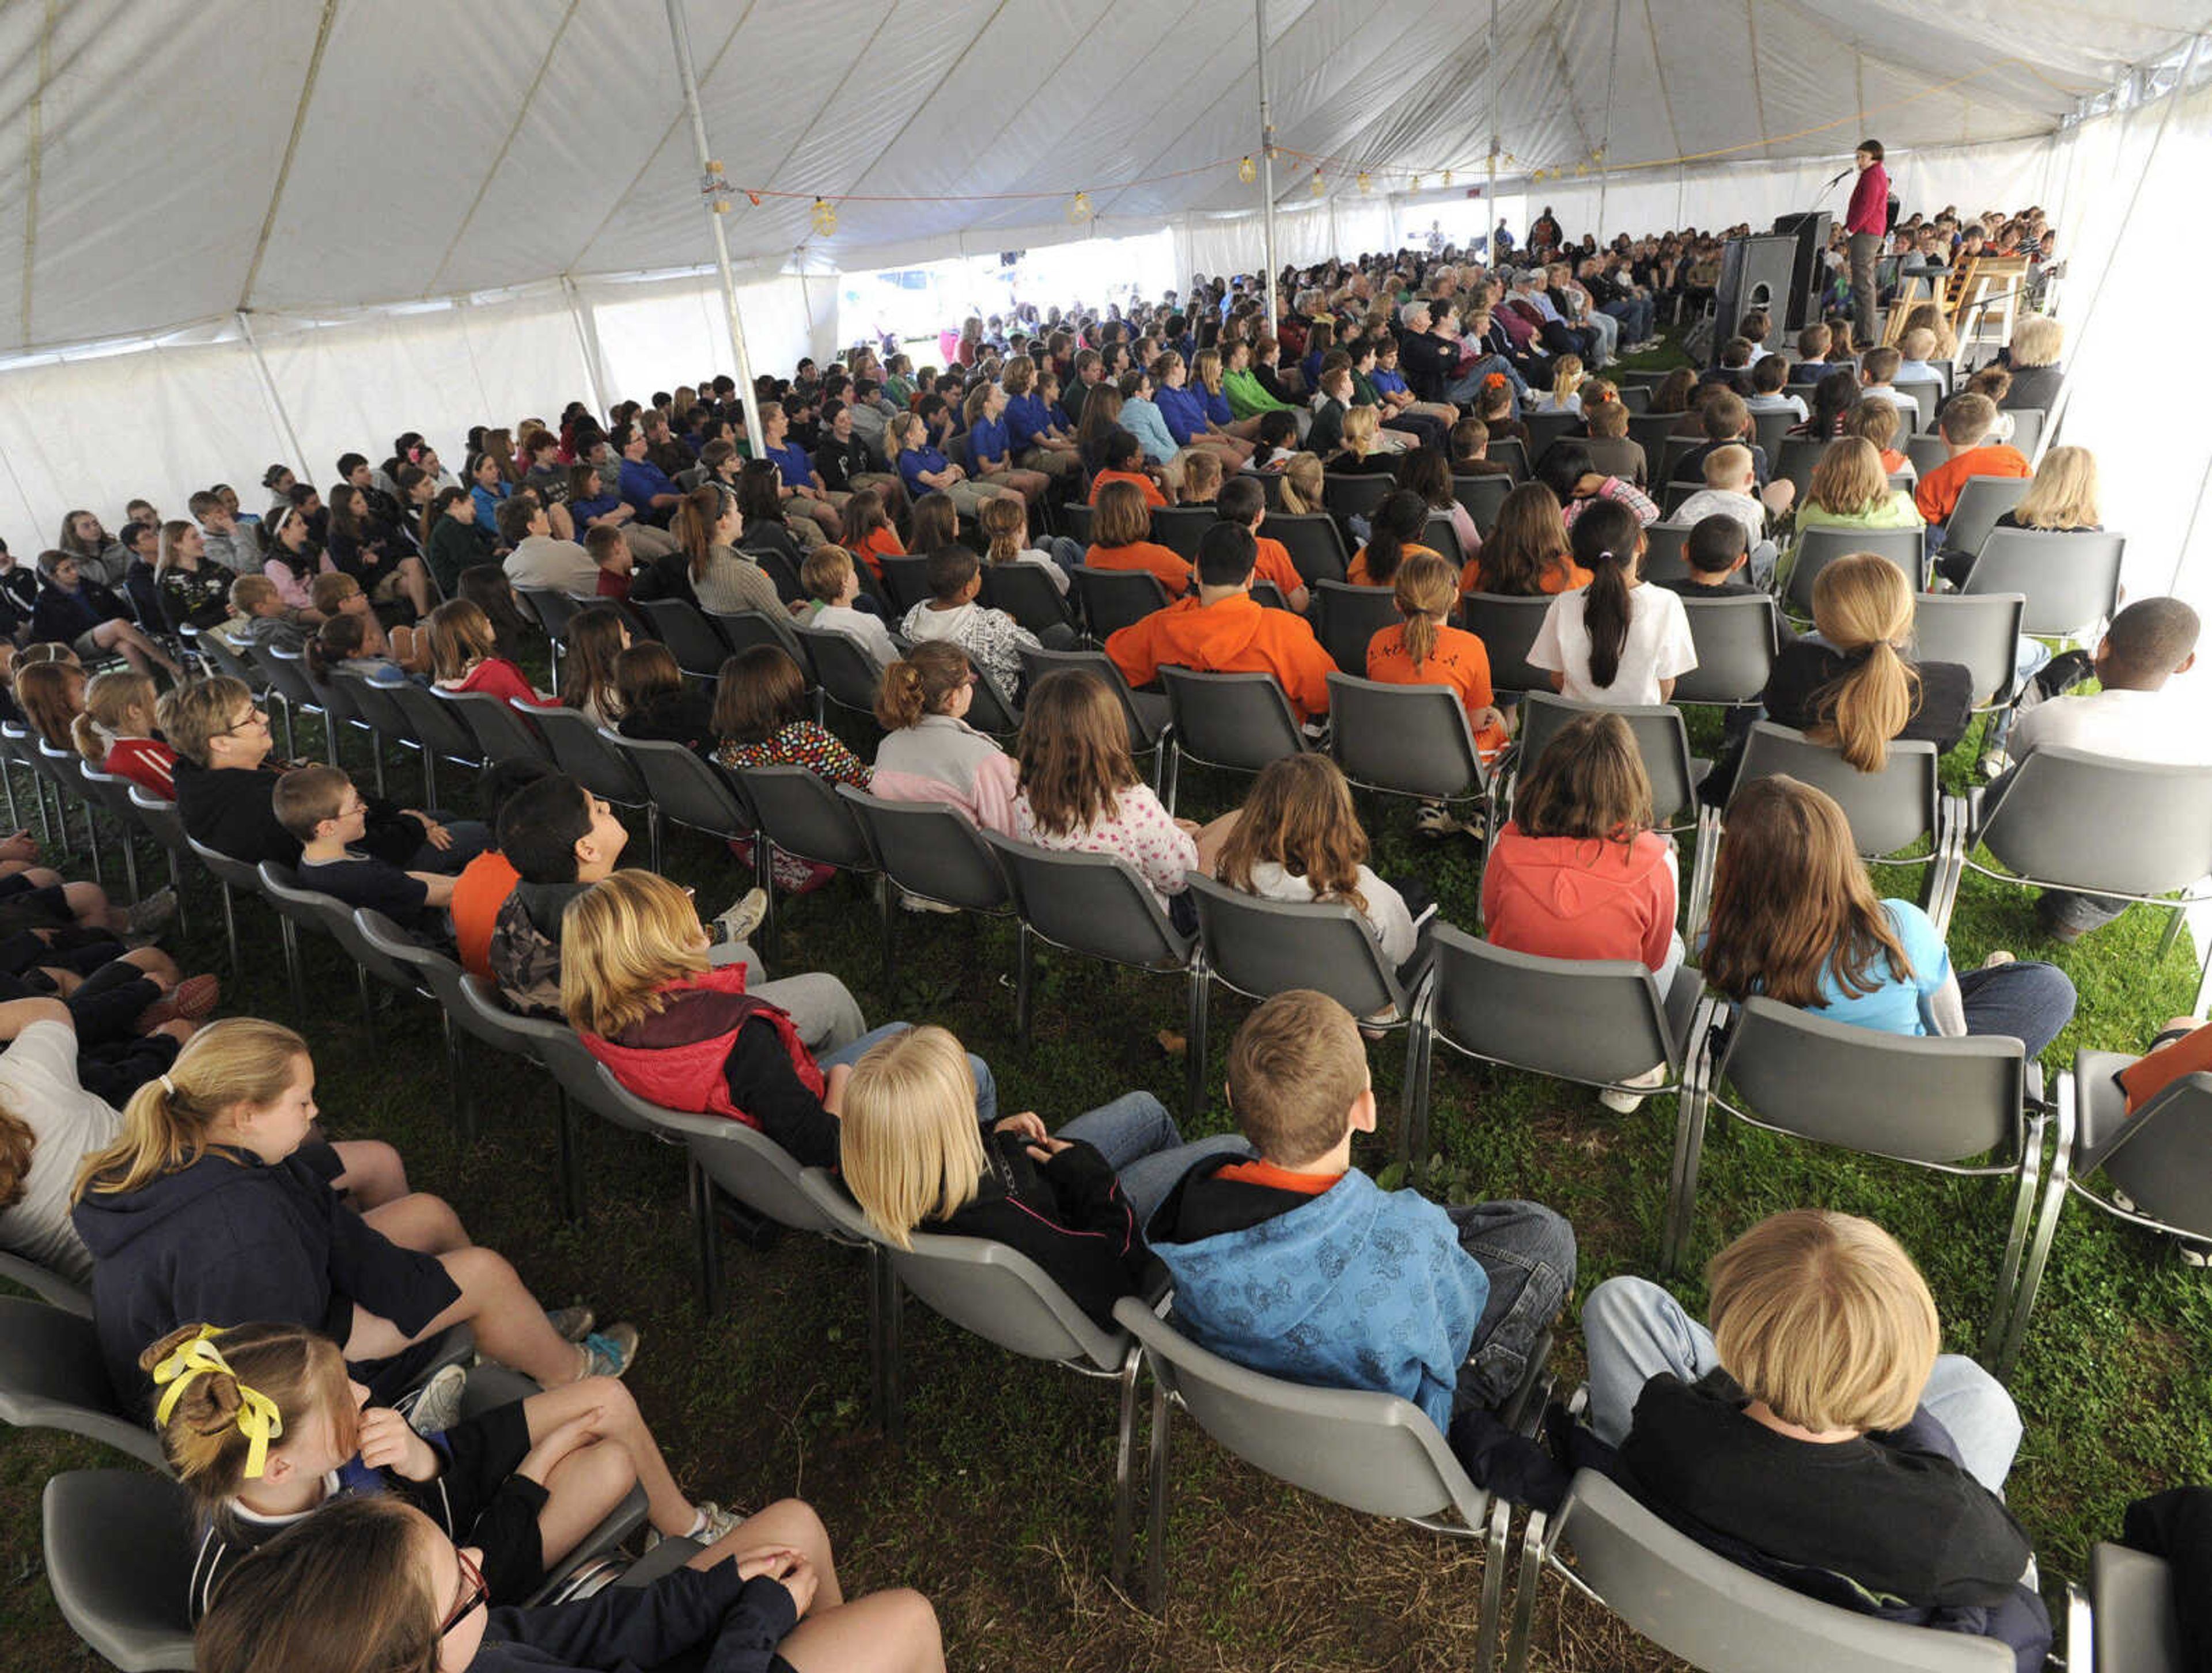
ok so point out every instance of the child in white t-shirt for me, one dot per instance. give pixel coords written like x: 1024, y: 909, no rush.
x: 1615, y: 641
x: 1731, y: 490
x: 834, y: 582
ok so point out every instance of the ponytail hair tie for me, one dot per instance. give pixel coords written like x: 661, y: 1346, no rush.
x: 1607, y: 556
x: 168, y: 1086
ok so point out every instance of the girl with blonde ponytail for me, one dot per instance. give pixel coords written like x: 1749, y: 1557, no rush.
x: 929, y: 752
x: 1852, y: 688
x: 116, y: 731
x: 1424, y: 650
x: 220, y: 1203
x: 264, y: 1425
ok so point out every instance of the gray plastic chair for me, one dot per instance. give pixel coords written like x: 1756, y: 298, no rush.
x: 906, y: 580
x: 686, y: 788
x: 47, y: 1284
x: 999, y: 1293
x: 679, y: 624
x: 548, y: 1044
x: 53, y: 1377
x: 1374, y: 1453
x: 1978, y: 631
x: 1820, y: 546
x: 118, y: 1551
x: 582, y: 750
x: 1346, y: 617
x: 443, y: 735
x: 1180, y: 528
x: 1794, y: 462
x: 378, y: 703
x: 1927, y: 452
x: 1484, y: 498
x: 1113, y: 599
x: 1026, y: 593
x: 1145, y: 711
x: 1260, y: 948
x: 230, y: 875
x: 796, y: 810
x: 1315, y: 540
x: 427, y: 972
x: 1097, y: 905
x: 161, y: 822
x: 498, y: 727
x: 1075, y: 518
x: 1893, y: 810
x: 929, y: 850
x: 1508, y: 627
x: 2072, y: 581
x: 741, y: 630
x: 2136, y: 1630
x: 1712, y: 1613
x: 849, y: 673
x: 1661, y: 740
x: 1403, y: 740
x: 1982, y: 500
x: 1927, y: 395
x: 2047, y: 829
x: 1594, y: 1022
x: 1237, y: 721
x: 59, y: 767
x: 1441, y: 535
x: 1736, y: 640
x: 2156, y: 1159
x: 286, y: 675
x: 112, y: 791
x: 1931, y: 1103
x: 1346, y: 497
x: 1662, y: 553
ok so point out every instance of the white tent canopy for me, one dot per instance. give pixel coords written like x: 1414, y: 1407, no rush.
x: 428, y: 216
x: 172, y: 163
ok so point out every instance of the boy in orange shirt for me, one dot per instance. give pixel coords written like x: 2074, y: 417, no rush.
x: 1242, y: 500
x: 1125, y: 459
x: 1120, y: 539
x: 1223, y: 630
x: 1965, y: 420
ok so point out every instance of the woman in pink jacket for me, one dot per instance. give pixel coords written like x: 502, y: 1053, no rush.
x: 929, y: 753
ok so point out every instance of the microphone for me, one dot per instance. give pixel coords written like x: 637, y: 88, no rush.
x: 1840, y: 175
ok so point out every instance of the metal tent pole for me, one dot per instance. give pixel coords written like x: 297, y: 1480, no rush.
x: 715, y: 186
x: 587, y: 344
x: 1266, y: 162
x: 269, y: 390
x: 1605, y: 156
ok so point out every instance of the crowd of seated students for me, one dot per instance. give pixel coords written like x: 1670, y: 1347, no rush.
x: 1820, y: 1351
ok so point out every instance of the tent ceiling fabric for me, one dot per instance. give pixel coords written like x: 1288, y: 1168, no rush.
x: 432, y: 160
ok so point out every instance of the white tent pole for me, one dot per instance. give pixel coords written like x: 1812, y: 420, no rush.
x: 1266, y: 162
x: 1605, y: 162
x: 715, y: 187
x: 1489, y: 246
x: 588, y: 343
x: 2089, y: 315
x: 269, y: 393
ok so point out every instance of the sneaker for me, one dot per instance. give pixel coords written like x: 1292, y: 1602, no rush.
x: 437, y: 1405
x: 571, y: 1323
x: 193, y: 999
x: 1997, y: 958
x: 1994, y: 763
x: 1621, y: 1101
x: 2064, y: 672
x: 1435, y: 820
x: 738, y: 920
x: 153, y: 914
x: 921, y: 903
x: 611, y: 1352
x: 719, y: 1523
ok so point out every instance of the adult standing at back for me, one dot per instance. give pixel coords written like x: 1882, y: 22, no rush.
x: 1867, y: 222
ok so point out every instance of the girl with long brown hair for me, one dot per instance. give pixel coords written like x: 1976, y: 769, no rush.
x: 1080, y: 791
x: 464, y: 652
x: 1527, y: 555
x: 1297, y: 838
x: 1796, y: 918
x: 597, y: 635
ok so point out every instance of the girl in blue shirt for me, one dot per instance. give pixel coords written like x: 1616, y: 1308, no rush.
x: 1182, y: 404
x: 801, y: 490
x: 991, y: 445
x: 1795, y: 917
x: 924, y: 470
x: 488, y: 487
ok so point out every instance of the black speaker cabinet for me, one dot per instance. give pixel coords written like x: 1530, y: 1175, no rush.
x: 1755, y: 273
x: 1807, y: 276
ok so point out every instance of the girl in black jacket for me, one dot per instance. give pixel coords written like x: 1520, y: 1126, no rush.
x: 87, y: 617
x: 1076, y: 1203
x: 372, y: 1583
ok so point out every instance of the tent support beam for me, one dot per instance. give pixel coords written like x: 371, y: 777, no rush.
x: 1266, y: 165
x: 1604, y: 146
x: 291, y: 149
x: 715, y: 186
x: 269, y: 392
x: 36, y: 147
x: 587, y: 341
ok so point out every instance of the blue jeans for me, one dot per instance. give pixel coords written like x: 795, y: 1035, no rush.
x: 2027, y: 1000
x: 471, y: 838
x: 1463, y: 391
x: 1635, y: 316
x: 1527, y: 1252
x: 986, y: 1089
x: 1145, y: 1150
x: 1633, y: 1330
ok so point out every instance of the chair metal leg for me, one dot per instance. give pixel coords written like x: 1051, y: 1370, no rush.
x: 130, y: 860
x: 886, y: 1302
x: 572, y: 1184
x: 1156, y: 1509
x: 1173, y: 772
x: 764, y: 875
x: 230, y: 929
x: 1491, y: 1617
x: 39, y: 791
x: 1414, y: 1092
x: 1023, y: 980
x: 376, y: 761
x: 2056, y: 1180
x: 1125, y: 1446
x: 92, y: 843
x: 1689, y: 1152
x: 886, y: 902
x: 1194, y: 1054
x: 464, y: 1101
x: 285, y: 706
x: 2016, y: 1235
x: 1534, y: 1534
x: 177, y: 886
x: 2172, y: 934
x: 708, y: 1232
x: 367, y: 1003
x: 289, y: 934
x: 430, y: 789
x: 8, y: 786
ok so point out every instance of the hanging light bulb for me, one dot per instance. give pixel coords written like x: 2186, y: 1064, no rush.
x: 1580, y: 169
x: 1318, y: 187
x: 1247, y: 171
x: 1078, y: 207
x: 1366, y: 182
x: 1447, y: 177
x: 1598, y: 156
x: 1417, y: 183
x: 824, y: 216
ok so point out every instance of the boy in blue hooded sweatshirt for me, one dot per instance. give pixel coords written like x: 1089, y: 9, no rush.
x: 1297, y: 1264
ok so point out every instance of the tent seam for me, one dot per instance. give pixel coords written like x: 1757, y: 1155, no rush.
x: 499, y: 159
x: 35, y: 163
x: 291, y: 149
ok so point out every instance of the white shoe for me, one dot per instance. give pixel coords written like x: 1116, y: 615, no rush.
x: 437, y: 1407
x: 923, y: 903
x: 742, y: 917
x: 1623, y: 1102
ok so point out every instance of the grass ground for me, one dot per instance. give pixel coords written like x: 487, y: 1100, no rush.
x: 996, y: 1504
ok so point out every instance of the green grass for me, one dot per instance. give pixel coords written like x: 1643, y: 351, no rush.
x: 996, y: 1504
